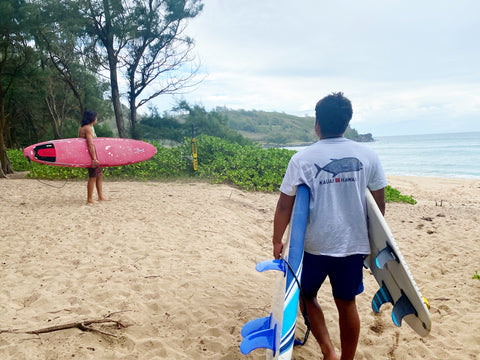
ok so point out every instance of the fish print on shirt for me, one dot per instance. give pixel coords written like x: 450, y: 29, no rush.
x: 338, y: 166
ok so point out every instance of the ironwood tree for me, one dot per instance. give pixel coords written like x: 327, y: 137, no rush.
x: 15, y: 54
x: 144, y: 41
x: 159, y: 52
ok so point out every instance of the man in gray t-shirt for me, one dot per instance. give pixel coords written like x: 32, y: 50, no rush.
x: 338, y: 173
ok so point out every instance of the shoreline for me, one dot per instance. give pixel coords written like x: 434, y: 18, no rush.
x: 433, y: 177
x: 23, y: 175
x: 175, y: 262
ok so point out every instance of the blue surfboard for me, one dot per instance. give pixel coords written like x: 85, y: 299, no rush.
x: 276, y: 333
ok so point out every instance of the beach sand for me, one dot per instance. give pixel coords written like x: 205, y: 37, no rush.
x: 175, y: 264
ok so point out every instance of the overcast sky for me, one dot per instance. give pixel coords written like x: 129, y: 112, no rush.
x: 409, y: 67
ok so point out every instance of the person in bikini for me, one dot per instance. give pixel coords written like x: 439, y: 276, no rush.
x: 95, y: 176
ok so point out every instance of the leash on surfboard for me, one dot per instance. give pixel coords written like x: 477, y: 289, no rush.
x: 40, y: 181
x: 306, y: 319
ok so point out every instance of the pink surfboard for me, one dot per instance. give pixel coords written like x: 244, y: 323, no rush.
x: 74, y: 152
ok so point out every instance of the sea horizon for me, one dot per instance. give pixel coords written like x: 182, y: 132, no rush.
x: 428, y: 134
x: 445, y: 155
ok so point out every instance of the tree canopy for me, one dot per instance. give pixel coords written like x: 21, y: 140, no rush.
x: 59, y: 57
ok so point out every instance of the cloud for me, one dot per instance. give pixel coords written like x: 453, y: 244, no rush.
x: 410, y: 62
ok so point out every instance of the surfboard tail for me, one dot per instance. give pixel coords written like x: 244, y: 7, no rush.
x: 260, y: 333
x: 397, y: 285
x: 277, y: 331
x: 264, y: 332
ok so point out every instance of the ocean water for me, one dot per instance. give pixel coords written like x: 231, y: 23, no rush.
x: 454, y: 155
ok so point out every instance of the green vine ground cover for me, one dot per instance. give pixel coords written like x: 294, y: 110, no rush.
x: 249, y: 167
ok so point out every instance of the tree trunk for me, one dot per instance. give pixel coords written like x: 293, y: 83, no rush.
x: 117, y: 106
x: 107, y: 37
x: 54, y: 115
x: 133, y: 119
x: 5, y: 165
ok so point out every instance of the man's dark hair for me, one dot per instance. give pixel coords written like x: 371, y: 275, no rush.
x: 332, y: 114
x: 88, y: 117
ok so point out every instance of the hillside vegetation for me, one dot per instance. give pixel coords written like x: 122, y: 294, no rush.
x: 274, y: 128
x: 261, y: 127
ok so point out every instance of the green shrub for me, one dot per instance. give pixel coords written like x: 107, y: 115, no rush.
x: 18, y: 161
x: 393, y: 195
x: 249, y: 167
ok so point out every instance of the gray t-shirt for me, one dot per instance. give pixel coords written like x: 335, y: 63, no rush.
x: 338, y: 171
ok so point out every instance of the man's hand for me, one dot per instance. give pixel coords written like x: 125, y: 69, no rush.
x: 95, y: 163
x: 277, y: 250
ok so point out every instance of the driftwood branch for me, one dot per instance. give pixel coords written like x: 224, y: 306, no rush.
x: 85, y: 325
x: 82, y: 325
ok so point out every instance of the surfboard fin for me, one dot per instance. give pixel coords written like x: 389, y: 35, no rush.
x: 381, y: 297
x: 385, y: 255
x: 262, y: 332
x: 402, y: 308
x: 278, y: 264
x: 259, y: 333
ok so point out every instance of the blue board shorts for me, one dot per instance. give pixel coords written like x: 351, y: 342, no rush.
x: 345, y: 273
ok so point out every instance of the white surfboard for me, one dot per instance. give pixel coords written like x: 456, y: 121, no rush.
x: 390, y: 270
x: 276, y: 333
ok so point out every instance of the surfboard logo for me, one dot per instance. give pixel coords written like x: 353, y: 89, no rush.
x: 338, y: 166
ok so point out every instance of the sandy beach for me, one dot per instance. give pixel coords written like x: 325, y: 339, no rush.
x: 167, y: 271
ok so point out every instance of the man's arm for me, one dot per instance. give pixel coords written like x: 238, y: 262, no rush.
x: 280, y: 222
x: 379, y: 196
x: 91, y: 147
